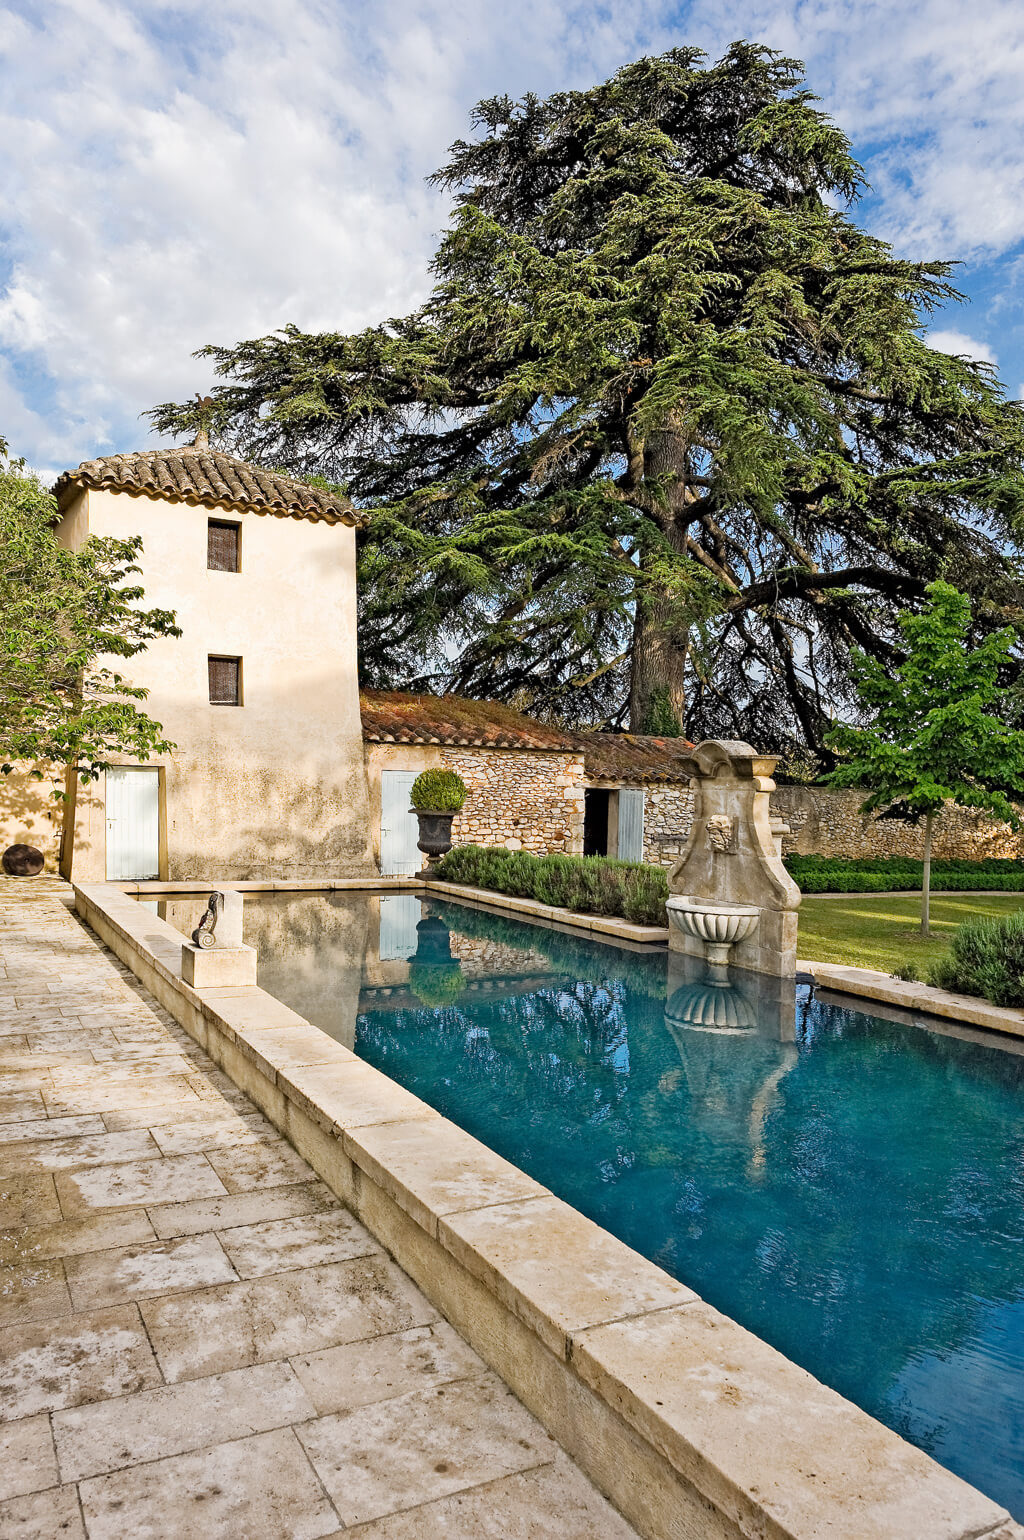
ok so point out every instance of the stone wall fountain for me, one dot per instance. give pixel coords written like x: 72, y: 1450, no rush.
x: 731, y: 899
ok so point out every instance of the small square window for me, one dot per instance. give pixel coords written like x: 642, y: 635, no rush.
x: 225, y: 681
x: 222, y: 546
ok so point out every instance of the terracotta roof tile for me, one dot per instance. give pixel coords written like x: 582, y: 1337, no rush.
x: 635, y: 758
x: 213, y: 479
x: 390, y: 716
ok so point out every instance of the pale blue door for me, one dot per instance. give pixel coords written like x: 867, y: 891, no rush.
x: 631, y: 824
x: 133, y: 825
x: 399, y: 916
x: 399, y: 829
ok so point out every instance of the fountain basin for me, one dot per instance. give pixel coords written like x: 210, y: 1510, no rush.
x: 717, y: 925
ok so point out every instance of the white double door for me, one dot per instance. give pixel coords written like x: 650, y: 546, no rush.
x: 133, y: 824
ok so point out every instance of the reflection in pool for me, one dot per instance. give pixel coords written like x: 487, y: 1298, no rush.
x: 848, y: 1188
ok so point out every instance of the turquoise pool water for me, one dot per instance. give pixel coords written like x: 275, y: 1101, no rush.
x: 847, y: 1187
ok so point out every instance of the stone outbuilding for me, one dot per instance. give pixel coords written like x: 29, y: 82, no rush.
x: 532, y: 786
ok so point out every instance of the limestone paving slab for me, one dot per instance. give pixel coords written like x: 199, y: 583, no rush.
x: 50, y: 1515
x: 81, y: 1357
x: 69, y: 1237
x: 155, y: 1267
x: 271, y: 1163
x: 136, y: 1184
x: 360, y: 1373
x: 550, y: 1502
x: 243, y: 1208
x: 229, y: 1129
x: 259, y: 1488
x: 402, y: 1452
x: 20, y: 1108
x: 212, y: 1330
x: 34, y: 1291
x: 51, y: 1128
x: 175, y: 1419
x: 81, y: 1151
x: 28, y: 1200
x: 306, y: 1240
x: 28, y: 1462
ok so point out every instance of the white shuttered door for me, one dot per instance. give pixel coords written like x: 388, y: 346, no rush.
x: 133, y: 825
x: 399, y: 828
x: 631, y: 824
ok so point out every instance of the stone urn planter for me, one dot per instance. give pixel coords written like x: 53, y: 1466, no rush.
x: 435, y: 836
x: 437, y: 795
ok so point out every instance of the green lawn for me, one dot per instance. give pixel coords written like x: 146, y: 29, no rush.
x: 872, y: 930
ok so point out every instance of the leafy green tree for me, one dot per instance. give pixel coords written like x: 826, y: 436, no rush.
x: 66, y: 617
x: 932, y: 737
x: 665, y: 440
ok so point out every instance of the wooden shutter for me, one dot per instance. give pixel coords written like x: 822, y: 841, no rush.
x: 631, y: 823
x: 222, y: 546
x: 225, y: 681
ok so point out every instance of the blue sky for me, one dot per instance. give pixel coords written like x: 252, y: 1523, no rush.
x: 187, y: 173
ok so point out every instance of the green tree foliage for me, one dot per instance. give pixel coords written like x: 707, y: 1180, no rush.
x: 66, y: 617
x: 932, y: 737
x: 665, y: 440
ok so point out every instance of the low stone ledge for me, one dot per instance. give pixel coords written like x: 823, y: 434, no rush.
x: 687, y: 1422
x: 871, y: 984
x: 600, y: 925
x: 773, y: 1448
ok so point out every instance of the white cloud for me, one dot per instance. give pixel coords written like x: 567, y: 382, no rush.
x: 959, y: 342
x: 199, y: 173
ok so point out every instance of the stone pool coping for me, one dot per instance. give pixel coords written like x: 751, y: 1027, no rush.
x: 691, y: 1425
x: 872, y: 984
x: 597, y: 925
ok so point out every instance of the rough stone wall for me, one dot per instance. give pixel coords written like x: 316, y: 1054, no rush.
x: 825, y: 821
x: 525, y: 801
x: 668, y: 814
x: 484, y: 959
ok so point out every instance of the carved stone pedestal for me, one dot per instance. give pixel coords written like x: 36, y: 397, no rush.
x: 731, y: 898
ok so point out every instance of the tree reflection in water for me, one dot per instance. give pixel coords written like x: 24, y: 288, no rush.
x: 851, y: 1191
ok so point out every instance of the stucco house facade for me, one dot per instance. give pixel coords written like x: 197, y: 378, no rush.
x: 259, y: 694
x: 280, y: 769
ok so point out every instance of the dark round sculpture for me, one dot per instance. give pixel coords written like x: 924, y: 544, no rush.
x: 22, y: 861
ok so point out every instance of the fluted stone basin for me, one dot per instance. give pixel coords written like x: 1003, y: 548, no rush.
x: 718, y: 925
x: 711, y: 1007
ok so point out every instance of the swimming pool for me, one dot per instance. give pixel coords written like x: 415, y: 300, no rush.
x: 847, y: 1187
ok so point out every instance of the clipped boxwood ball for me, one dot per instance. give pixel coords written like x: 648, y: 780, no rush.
x: 438, y: 791
x: 22, y: 861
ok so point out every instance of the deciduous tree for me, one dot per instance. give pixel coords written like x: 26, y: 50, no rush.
x: 66, y: 618
x: 932, y: 736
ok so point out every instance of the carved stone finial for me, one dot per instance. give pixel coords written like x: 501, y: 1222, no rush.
x: 204, y: 934
x: 205, y: 406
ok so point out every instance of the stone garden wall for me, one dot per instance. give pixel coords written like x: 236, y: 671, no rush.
x: 522, y: 800
x: 668, y: 813
x: 825, y: 821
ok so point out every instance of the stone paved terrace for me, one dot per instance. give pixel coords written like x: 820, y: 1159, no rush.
x: 196, y: 1337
